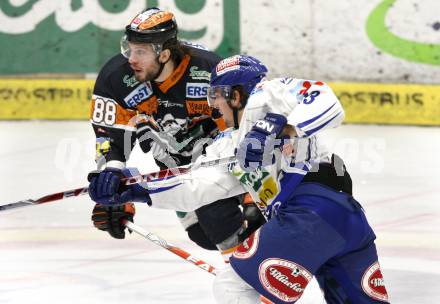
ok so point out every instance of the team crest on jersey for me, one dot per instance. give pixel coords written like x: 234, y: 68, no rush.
x: 194, y: 73
x: 373, y: 284
x: 142, y: 92
x: 130, y: 81
x: 196, y: 90
x: 248, y: 248
x: 284, y: 279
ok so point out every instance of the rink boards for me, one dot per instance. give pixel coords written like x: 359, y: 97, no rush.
x: 369, y: 103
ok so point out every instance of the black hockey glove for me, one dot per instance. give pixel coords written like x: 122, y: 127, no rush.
x: 253, y: 219
x: 109, y: 219
x: 205, y: 128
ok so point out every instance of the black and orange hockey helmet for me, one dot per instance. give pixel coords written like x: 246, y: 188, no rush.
x: 152, y: 25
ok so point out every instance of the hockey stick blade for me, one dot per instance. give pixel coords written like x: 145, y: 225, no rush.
x: 127, y: 181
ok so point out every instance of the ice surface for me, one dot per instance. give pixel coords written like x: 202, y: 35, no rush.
x: 52, y: 254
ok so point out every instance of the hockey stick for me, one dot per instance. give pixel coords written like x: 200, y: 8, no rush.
x: 162, y: 174
x: 176, y: 250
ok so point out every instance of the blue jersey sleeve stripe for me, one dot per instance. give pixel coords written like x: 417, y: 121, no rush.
x: 307, y: 122
x: 310, y: 132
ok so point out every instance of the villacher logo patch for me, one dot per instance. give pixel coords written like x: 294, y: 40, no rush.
x: 248, y: 248
x: 373, y: 284
x: 284, y: 279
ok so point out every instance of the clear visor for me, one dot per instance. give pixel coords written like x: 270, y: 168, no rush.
x: 125, y: 49
x: 218, y: 91
x: 139, y: 50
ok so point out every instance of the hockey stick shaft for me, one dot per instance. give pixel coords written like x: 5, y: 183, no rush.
x: 163, y: 174
x: 176, y: 250
x: 128, y: 181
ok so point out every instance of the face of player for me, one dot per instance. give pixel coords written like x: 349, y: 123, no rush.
x: 143, y: 61
x: 218, y: 100
x: 223, y: 107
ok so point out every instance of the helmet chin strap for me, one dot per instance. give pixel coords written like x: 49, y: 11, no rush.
x: 235, y: 115
x: 234, y: 112
x: 161, y: 66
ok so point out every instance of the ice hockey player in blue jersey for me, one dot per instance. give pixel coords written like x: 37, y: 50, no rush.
x: 315, y: 227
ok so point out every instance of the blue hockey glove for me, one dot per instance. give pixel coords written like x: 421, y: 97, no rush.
x: 104, y: 185
x: 256, y: 149
x: 136, y: 192
x: 106, y: 188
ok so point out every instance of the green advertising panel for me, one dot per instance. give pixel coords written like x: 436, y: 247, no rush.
x: 383, y: 38
x: 79, y: 36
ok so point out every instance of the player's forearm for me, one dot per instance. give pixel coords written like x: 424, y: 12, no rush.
x: 191, y: 191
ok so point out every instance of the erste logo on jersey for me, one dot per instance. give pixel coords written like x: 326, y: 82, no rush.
x: 372, y: 283
x: 196, y: 90
x: 248, y: 248
x: 284, y: 279
x: 142, y: 92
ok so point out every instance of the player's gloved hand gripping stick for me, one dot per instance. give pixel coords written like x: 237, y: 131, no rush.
x: 107, y: 187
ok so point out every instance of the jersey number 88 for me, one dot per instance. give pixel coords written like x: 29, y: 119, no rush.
x: 104, y: 111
